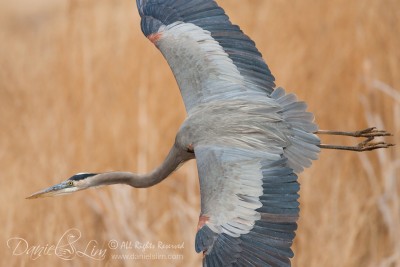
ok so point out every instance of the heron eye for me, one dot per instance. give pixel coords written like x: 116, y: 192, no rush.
x: 70, y: 183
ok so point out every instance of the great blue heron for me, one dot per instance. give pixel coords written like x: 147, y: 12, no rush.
x: 250, y: 140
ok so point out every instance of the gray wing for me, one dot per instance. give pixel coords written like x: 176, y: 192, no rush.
x: 249, y: 207
x: 210, y: 57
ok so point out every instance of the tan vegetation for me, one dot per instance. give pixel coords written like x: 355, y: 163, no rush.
x: 81, y: 89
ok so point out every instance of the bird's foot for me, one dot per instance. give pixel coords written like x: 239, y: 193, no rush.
x: 370, y: 133
x: 367, y: 145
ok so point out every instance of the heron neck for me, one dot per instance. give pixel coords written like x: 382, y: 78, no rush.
x: 174, y: 159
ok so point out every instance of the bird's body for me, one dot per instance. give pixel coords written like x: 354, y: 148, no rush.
x: 246, y: 166
x: 249, y: 139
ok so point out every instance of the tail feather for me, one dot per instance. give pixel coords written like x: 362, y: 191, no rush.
x: 304, y: 143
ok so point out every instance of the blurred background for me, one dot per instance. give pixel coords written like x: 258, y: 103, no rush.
x: 81, y: 89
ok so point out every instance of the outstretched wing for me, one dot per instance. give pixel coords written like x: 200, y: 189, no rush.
x: 210, y: 57
x: 249, y: 207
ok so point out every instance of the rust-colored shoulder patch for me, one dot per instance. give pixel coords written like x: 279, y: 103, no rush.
x: 154, y: 37
x: 202, y: 221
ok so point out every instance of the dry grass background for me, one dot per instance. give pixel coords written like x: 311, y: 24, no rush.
x: 82, y: 90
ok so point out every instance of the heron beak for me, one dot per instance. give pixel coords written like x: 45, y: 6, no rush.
x: 58, y: 189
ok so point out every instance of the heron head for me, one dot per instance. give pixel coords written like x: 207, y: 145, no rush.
x: 75, y: 183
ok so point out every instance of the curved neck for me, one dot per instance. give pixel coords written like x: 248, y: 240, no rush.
x: 174, y: 159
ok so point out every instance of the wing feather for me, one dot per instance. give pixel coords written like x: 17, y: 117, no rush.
x: 237, y: 47
x: 246, y: 226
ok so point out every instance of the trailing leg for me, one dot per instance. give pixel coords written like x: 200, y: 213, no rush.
x: 366, y: 145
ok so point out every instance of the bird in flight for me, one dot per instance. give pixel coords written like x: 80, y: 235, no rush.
x: 250, y: 139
